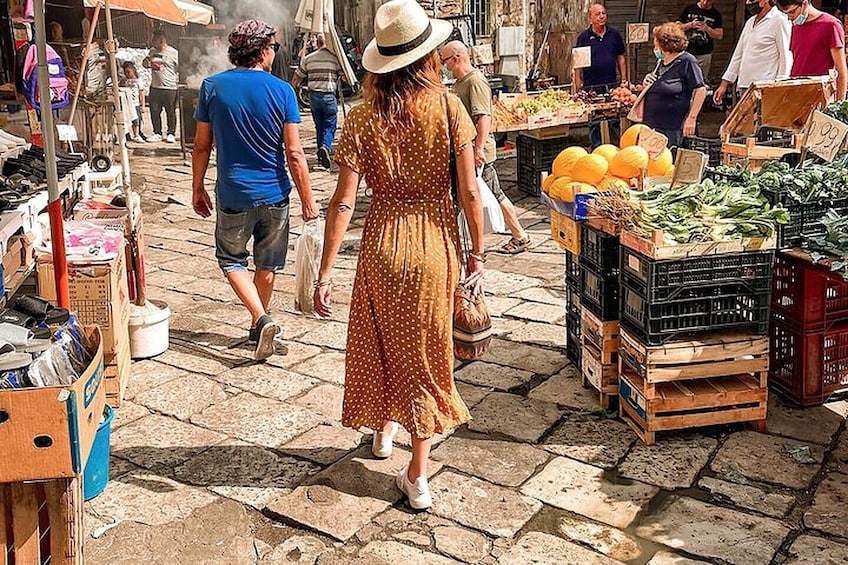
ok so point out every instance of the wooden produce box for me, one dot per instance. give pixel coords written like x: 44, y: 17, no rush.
x: 656, y: 248
x: 42, y: 522
x: 604, y: 224
x: 48, y: 431
x: 565, y: 231
x: 602, y: 377
x: 602, y: 336
x: 117, y: 369
x: 690, y: 404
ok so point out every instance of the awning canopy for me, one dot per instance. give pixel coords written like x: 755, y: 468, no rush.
x: 165, y: 10
x: 196, y: 12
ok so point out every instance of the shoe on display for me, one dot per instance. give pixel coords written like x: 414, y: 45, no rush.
x: 417, y: 492
x: 155, y: 138
x: 171, y: 138
x: 381, y: 445
x: 10, y: 139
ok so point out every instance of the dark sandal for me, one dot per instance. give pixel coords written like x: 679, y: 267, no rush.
x: 515, y: 246
x: 39, y: 309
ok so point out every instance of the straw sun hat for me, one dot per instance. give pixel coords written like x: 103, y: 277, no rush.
x: 402, y: 34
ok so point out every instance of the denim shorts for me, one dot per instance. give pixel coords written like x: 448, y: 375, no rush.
x: 490, y: 177
x: 268, y: 225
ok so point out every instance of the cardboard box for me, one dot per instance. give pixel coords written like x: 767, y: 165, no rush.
x: 116, y: 373
x: 47, y: 433
x: 12, y: 260
x: 99, y: 296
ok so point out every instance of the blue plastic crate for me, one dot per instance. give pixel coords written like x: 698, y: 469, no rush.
x: 577, y: 210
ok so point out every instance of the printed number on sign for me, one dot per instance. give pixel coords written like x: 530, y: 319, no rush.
x: 825, y: 135
x: 637, y: 33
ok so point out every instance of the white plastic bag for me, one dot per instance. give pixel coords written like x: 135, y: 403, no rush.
x: 493, y: 220
x: 307, y: 258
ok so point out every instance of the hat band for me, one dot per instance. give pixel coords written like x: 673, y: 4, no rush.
x: 394, y: 50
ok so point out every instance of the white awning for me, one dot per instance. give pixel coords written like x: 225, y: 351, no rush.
x: 196, y: 12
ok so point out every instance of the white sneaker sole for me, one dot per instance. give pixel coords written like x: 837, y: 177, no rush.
x: 399, y: 481
x: 265, y: 343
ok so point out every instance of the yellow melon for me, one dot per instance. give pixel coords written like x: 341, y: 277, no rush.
x: 629, y: 162
x: 546, y: 184
x: 613, y: 183
x: 669, y: 172
x: 584, y: 188
x: 631, y: 136
x: 561, y: 189
x: 607, y: 151
x: 590, y: 169
x: 566, y: 160
x: 657, y: 167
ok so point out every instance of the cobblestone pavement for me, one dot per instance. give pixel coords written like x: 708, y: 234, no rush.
x: 218, y: 459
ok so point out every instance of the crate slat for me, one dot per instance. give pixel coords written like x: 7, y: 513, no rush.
x: 25, y: 523
x: 5, y: 507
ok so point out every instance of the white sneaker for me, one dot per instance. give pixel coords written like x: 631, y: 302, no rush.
x: 138, y: 139
x: 381, y: 446
x: 170, y: 138
x: 418, y: 492
x: 12, y: 139
x: 155, y: 138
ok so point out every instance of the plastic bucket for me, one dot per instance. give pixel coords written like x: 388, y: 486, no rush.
x: 95, y: 476
x: 149, y: 329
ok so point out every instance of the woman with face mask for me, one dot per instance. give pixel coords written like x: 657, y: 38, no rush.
x: 676, y: 89
x: 817, y: 43
x: 762, y: 52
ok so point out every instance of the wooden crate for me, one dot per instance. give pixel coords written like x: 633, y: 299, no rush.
x: 602, y: 377
x: 602, y: 336
x: 42, y: 522
x: 714, y: 355
x: 116, y: 374
x: 565, y: 231
x: 690, y: 404
x: 656, y: 248
x: 604, y: 224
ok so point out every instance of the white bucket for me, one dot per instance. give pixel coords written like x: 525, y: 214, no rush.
x: 149, y: 329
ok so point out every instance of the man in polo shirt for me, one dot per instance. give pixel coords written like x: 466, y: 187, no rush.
x: 321, y: 69
x: 607, y: 48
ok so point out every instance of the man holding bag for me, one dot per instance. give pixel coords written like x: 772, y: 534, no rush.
x: 473, y: 90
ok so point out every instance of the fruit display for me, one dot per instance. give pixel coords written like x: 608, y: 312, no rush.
x: 549, y: 100
x: 626, y: 93
x: 506, y: 116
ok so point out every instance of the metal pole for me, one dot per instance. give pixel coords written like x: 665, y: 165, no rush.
x: 84, y: 67
x: 54, y: 207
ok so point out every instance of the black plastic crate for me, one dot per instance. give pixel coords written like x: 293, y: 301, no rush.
x: 805, y: 218
x: 539, y: 153
x: 600, y: 294
x: 529, y: 179
x: 572, y: 304
x: 664, y: 279
x: 573, y: 349
x: 736, y: 307
x: 572, y: 271
x: 599, y: 250
x: 711, y: 147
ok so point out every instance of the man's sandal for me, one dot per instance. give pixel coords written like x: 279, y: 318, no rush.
x: 515, y: 246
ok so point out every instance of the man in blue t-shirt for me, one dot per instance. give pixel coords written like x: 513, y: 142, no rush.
x: 607, y: 49
x: 251, y: 116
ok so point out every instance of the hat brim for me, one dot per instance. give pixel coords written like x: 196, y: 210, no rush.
x: 376, y: 63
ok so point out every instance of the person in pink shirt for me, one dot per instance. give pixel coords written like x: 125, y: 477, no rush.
x: 817, y: 43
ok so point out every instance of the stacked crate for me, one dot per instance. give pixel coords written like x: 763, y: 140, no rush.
x: 808, y: 331
x: 572, y: 308
x: 535, y: 156
x: 599, y: 328
x: 693, y: 321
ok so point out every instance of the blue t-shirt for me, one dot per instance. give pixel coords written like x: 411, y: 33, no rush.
x: 668, y: 100
x: 248, y: 109
x: 605, y: 51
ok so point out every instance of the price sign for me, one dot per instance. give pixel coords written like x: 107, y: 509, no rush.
x: 637, y: 33
x: 66, y: 132
x: 581, y: 57
x: 652, y: 141
x: 825, y: 135
x: 689, y: 167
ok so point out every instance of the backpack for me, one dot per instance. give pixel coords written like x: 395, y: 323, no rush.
x: 59, y: 95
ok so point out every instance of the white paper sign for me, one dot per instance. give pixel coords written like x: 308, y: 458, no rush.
x: 581, y: 57
x: 638, y: 33
x: 652, y: 141
x: 689, y: 167
x: 67, y: 132
x: 825, y: 135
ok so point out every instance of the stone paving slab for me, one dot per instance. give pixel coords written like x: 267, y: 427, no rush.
x: 538, y: 547
x: 266, y: 380
x: 129, y: 413
x: 542, y: 334
x: 480, y: 505
x: 324, y: 444
x: 149, y: 374
x: 197, y: 360
x: 329, y: 334
x: 816, y: 424
x: 582, y: 489
x: 811, y: 550
x: 182, y: 398
x: 537, y: 312
x: 392, y: 552
x: 829, y: 512
x: 564, y: 389
x: 714, y: 532
x: 763, y: 457
x: 672, y: 463
x: 606, y: 540
x: 555, y: 297
x: 329, y: 367
x: 499, y: 462
x: 462, y: 544
x: 472, y: 395
x: 493, y: 376
x: 324, y: 399
x: 513, y: 416
x: 601, y: 442
x: 298, y: 549
x: 537, y: 360
x: 499, y: 304
x: 669, y: 558
x: 744, y: 496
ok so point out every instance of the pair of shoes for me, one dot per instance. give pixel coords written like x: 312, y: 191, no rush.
x: 8, y: 139
x: 139, y: 139
x: 324, y: 157
x: 155, y: 138
x: 381, y: 445
x: 417, y: 492
x: 266, y: 331
x: 515, y: 246
x: 170, y: 138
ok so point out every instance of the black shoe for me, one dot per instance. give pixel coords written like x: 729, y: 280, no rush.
x: 266, y: 331
x: 324, y: 157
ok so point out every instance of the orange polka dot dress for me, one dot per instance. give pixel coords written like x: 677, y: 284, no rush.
x: 399, y: 363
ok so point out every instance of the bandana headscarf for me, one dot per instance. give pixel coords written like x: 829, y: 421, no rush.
x: 250, y: 34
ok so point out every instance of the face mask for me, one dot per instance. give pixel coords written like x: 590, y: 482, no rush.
x: 753, y: 9
x: 659, y: 54
x: 800, y: 20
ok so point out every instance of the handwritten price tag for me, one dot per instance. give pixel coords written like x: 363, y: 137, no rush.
x: 637, y: 33
x: 825, y: 135
x: 66, y: 132
x: 653, y: 142
x: 689, y: 167
x: 581, y: 57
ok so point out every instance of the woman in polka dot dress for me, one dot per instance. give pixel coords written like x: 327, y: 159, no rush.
x: 399, y: 365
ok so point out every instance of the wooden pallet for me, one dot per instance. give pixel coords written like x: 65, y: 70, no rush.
x: 602, y: 377
x: 690, y: 404
x: 603, y: 336
x: 42, y: 522
x: 715, y: 355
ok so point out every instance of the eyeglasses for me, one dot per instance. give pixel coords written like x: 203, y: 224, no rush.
x: 446, y: 59
x: 791, y: 12
x: 275, y: 46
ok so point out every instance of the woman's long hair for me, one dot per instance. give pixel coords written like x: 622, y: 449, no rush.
x: 392, y: 95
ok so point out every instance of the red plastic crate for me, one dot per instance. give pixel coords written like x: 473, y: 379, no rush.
x: 809, y: 296
x: 807, y: 367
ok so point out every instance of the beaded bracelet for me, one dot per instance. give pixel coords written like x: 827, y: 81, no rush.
x: 319, y: 284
